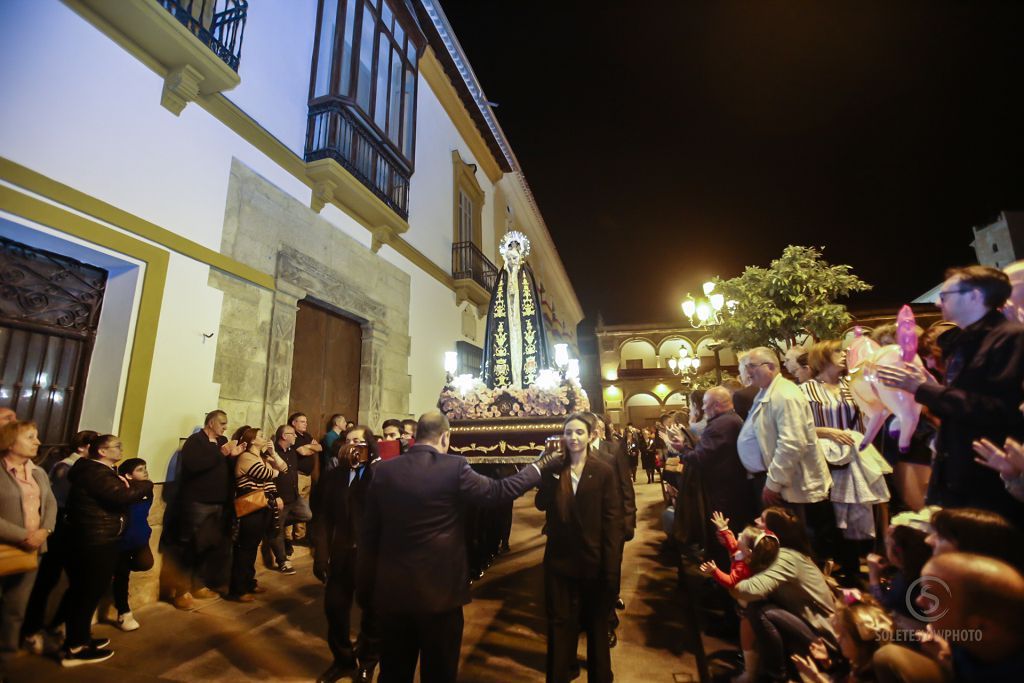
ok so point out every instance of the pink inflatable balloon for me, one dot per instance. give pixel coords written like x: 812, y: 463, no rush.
x: 858, y: 357
x: 896, y: 401
x: 906, y: 335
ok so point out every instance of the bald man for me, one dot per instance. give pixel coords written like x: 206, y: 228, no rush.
x: 7, y: 416
x: 979, y: 602
x: 718, y: 468
x: 1013, y: 309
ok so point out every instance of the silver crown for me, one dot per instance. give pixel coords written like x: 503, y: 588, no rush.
x: 514, y: 236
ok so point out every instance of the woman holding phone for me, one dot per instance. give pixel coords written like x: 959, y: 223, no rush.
x: 255, y: 471
x: 582, y: 556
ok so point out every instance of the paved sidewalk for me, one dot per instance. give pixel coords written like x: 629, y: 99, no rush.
x: 280, y: 637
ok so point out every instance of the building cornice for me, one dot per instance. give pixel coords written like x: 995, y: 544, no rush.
x: 477, y: 103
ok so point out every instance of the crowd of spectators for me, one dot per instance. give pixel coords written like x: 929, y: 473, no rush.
x: 841, y: 559
x: 857, y: 562
x: 88, y: 519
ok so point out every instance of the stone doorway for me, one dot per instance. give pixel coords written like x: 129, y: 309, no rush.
x: 325, y: 365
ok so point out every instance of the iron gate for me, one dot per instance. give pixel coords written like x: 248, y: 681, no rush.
x: 49, y: 312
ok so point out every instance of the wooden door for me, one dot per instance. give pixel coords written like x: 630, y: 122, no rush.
x: 325, y: 366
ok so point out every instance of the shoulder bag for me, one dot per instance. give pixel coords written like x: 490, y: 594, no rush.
x: 14, y: 560
x: 250, y: 502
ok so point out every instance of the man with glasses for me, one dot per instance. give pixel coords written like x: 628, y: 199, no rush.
x: 984, y: 357
x: 778, y: 447
x: 277, y: 551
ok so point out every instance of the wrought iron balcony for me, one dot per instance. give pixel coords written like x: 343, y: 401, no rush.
x: 218, y: 24
x: 469, y: 263
x: 334, y: 132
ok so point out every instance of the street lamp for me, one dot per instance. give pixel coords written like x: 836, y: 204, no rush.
x: 451, y: 364
x: 561, y: 356
x: 706, y: 309
x: 684, y: 366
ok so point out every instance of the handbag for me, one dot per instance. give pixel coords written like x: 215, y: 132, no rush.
x: 250, y: 502
x: 14, y: 560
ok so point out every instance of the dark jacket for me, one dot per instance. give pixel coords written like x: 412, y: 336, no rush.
x: 614, y: 454
x: 338, y: 513
x: 722, y: 475
x: 743, y: 400
x: 288, y: 482
x: 412, y: 555
x: 648, y: 452
x: 985, y: 367
x: 206, y: 475
x: 589, y: 544
x: 98, y: 502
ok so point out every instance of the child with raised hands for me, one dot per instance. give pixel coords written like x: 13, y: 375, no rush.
x: 755, y: 550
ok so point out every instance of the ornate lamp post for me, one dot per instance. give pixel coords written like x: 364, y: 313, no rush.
x: 684, y: 366
x: 707, y: 309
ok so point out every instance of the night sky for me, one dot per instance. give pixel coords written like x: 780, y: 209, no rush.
x: 667, y: 142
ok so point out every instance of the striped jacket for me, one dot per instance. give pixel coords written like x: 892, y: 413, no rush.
x: 257, y: 472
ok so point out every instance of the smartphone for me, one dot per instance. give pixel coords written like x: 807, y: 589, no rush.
x: 555, y: 443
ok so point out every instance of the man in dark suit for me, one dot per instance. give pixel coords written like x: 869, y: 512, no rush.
x: 412, y: 562
x: 613, y: 453
x: 339, y: 500
x: 721, y: 476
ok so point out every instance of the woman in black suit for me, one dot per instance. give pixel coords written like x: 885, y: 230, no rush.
x: 582, y: 557
x: 648, y: 454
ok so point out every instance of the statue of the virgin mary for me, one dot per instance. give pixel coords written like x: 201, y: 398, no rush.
x: 515, y: 347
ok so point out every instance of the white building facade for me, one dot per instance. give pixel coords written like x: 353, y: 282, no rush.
x: 273, y: 200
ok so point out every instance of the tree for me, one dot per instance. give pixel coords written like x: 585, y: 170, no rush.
x: 796, y: 295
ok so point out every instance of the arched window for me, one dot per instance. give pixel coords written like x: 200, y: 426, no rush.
x: 676, y: 399
x: 639, y: 400
x: 670, y: 348
x: 637, y: 354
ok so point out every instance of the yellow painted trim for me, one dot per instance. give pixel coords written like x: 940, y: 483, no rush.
x: 17, y: 174
x: 425, y: 264
x: 434, y: 74
x: 154, y: 279
x: 229, y: 114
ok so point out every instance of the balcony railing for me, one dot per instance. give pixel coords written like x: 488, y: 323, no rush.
x: 469, y: 263
x: 218, y: 24
x: 334, y: 132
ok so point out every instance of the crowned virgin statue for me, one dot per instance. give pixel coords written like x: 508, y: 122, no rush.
x: 515, y: 347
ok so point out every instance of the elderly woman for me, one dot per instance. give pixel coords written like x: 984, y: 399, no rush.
x: 97, y: 514
x: 52, y: 564
x: 28, y: 513
x: 858, y: 481
x: 255, y: 471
